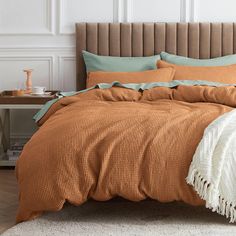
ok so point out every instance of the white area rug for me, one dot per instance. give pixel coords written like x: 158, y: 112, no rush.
x: 127, y: 218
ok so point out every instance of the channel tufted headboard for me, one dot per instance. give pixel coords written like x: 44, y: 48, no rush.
x: 196, y: 40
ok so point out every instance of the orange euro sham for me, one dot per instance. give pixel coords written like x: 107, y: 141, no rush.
x: 159, y: 75
x: 221, y: 74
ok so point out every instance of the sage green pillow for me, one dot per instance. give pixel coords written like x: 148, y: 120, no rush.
x: 119, y: 64
x: 186, y: 61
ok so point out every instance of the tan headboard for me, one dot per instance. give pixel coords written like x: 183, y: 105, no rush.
x: 196, y: 40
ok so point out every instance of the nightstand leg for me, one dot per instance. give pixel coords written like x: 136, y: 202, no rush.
x: 5, y: 129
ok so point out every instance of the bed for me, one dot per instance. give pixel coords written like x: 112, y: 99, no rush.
x: 133, y: 142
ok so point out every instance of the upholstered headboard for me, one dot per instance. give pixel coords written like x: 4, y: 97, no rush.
x: 196, y: 40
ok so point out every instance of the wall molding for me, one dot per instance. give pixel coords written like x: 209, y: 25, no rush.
x: 49, y: 24
x: 122, y: 10
x: 183, y: 11
x: 193, y: 10
x: 61, y: 60
x: 187, y: 10
x: 42, y: 49
x: 60, y: 18
x: 117, y: 11
x: 50, y: 16
x: 118, y: 15
x: 128, y: 10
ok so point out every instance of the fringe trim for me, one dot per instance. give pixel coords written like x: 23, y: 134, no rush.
x: 210, y: 194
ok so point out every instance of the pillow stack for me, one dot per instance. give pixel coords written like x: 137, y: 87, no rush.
x: 107, y: 69
x: 158, y: 68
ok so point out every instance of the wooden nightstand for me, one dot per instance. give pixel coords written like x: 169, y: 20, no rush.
x: 11, y: 102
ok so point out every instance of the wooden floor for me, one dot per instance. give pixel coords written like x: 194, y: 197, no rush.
x: 8, y: 199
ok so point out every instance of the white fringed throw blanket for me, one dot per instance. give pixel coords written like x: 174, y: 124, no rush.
x: 212, y: 172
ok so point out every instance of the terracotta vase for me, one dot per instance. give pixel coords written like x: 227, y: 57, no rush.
x: 28, y: 80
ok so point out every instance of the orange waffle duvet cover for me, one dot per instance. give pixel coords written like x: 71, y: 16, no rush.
x: 112, y: 142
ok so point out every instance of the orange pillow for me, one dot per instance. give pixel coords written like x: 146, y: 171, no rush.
x: 221, y: 74
x: 160, y: 75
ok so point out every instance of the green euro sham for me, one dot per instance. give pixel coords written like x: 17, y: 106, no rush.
x: 186, y: 61
x: 119, y: 64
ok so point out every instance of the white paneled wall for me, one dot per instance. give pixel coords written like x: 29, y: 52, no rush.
x: 86, y: 11
x: 39, y: 34
x: 215, y: 10
x: 67, y: 72
x: 12, y: 65
x: 26, y: 17
x: 155, y: 10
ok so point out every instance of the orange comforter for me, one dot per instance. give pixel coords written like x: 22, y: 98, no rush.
x: 117, y: 142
